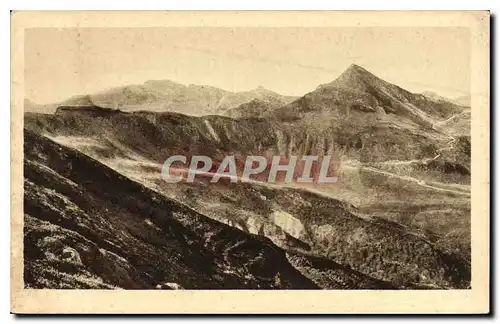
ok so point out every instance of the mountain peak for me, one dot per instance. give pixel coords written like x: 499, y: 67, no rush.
x: 355, y: 67
x: 355, y: 77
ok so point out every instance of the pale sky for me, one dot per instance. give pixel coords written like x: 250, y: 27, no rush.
x: 293, y: 61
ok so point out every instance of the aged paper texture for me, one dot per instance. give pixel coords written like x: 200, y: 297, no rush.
x: 250, y: 162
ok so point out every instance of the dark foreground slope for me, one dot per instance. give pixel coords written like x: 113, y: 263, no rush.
x: 87, y: 226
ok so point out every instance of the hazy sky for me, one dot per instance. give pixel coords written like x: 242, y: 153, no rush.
x: 64, y: 62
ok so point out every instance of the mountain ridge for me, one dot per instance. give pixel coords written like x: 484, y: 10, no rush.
x: 167, y: 95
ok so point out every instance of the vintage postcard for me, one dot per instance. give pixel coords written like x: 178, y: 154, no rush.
x: 250, y: 162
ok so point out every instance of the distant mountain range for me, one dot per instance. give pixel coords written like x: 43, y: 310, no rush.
x: 198, y: 100
x: 168, y: 96
x: 462, y: 100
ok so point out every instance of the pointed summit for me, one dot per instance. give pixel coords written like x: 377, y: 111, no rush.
x: 355, y: 77
x: 355, y: 67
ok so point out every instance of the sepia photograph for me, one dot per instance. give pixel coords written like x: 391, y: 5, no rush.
x: 252, y: 157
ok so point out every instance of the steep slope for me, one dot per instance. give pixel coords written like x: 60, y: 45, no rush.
x: 157, y: 136
x: 357, y: 90
x: 393, y: 98
x: 253, y: 108
x: 369, y: 119
x: 87, y: 226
